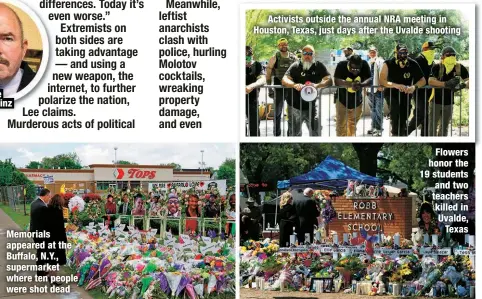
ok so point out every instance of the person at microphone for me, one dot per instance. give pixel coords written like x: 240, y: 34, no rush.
x: 307, y: 71
x: 351, y: 75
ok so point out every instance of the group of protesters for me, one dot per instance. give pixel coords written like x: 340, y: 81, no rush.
x: 398, y: 81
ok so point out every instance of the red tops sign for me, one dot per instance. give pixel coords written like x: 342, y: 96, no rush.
x: 134, y: 173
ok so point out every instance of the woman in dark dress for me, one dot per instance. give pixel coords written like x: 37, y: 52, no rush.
x: 287, y: 219
x: 55, y: 226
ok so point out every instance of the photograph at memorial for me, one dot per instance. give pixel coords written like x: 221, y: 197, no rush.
x: 357, y: 219
x: 22, y: 49
x: 339, y: 72
x: 118, y: 220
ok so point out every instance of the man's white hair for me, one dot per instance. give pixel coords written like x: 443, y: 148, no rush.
x: 307, y: 190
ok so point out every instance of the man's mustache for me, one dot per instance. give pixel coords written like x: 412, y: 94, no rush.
x: 4, y: 61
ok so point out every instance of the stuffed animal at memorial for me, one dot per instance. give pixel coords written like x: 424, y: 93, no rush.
x: 381, y: 284
x: 417, y: 237
x: 351, y: 189
x: 374, y: 289
x: 360, y: 190
x: 372, y: 192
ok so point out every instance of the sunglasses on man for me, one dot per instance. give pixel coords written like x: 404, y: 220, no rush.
x: 308, y: 53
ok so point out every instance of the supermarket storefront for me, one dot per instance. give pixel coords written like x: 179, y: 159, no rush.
x: 99, y: 177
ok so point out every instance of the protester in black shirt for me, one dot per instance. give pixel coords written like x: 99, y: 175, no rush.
x: 254, y: 80
x: 400, y: 76
x: 420, y: 114
x: 453, y: 77
x: 307, y: 71
x: 352, y: 74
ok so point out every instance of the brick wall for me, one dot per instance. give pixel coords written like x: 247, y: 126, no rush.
x: 401, y: 208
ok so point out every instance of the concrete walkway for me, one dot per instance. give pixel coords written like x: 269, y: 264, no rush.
x: 6, y: 223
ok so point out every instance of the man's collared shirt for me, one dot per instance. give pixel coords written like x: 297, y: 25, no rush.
x: 12, y: 86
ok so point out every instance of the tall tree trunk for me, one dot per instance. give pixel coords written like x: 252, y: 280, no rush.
x: 367, y: 156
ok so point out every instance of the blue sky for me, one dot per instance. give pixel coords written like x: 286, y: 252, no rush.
x: 188, y: 155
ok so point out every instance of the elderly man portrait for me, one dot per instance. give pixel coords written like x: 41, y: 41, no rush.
x: 15, y: 74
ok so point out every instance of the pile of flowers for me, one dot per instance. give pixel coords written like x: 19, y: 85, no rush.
x: 416, y: 274
x: 130, y: 265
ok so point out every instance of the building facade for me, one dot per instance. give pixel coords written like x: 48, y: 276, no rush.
x: 99, y: 177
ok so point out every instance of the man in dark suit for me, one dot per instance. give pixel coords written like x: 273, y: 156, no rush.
x: 38, y: 220
x: 307, y: 214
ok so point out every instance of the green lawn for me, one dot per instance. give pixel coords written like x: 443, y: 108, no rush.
x: 17, y: 216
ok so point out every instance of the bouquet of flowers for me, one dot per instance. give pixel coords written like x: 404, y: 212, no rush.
x: 91, y: 197
x: 95, y: 209
x: 328, y: 212
x: 67, y: 196
x: 271, y: 265
x: 350, y: 263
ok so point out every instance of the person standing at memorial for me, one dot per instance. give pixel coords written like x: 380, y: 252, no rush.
x: 38, y: 219
x: 288, y: 219
x: 307, y: 214
x: 55, y: 226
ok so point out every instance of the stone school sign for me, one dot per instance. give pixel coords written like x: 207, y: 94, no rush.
x: 389, y: 215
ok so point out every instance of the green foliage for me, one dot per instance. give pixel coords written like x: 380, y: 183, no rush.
x: 34, y: 165
x: 175, y: 165
x: 404, y: 161
x: 10, y: 176
x: 67, y: 161
x: 264, y: 45
x: 273, y: 162
x: 123, y: 162
x: 227, y: 171
x: 461, y: 110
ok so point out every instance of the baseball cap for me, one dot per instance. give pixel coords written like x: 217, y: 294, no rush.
x: 372, y: 48
x: 348, y: 48
x: 448, y: 50
x: 429, y: 45
x: 401, y: 46
x: 282, y: 40
x: 309, y: 47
